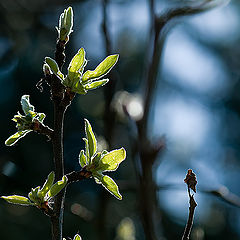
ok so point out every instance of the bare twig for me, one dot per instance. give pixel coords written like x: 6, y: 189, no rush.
x: 43, y: 129
x: 189, y: 224
x: 109, y: 118
x: 191, y: 182
x: 109, y: 89
x: 78, y: 176
x: 147, y: 151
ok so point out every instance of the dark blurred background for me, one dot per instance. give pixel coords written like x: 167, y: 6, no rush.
x: 196, y: 107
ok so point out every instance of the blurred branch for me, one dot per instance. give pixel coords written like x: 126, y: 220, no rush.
x: 109, y: 89
x: 148, y: 152
x: 223, y: 193
x: 109, y: 119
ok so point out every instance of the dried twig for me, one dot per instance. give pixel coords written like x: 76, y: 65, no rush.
x: 191, y: 182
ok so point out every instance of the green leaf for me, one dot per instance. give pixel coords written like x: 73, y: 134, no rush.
x: 92, y: 142
x: 69, y: 19
x: 96, y: 159
x: 41, y: 117
x: 46, y: 69
x: 82, y: 159
x: 77, y: 237
x: 76, y: 66
x: 102, y: 69
x: 65, y: 24
x: 15, y: 199
x: 57, y: 187
x: 34, y: 196
x: 26, y: 106
x: 15, y: 137
x: 111, y: 186
x: 79, y: 88
x: 31, y: 114
x: 47, y: 185
x: 104, y: 152
x: 54, y: 67
x: 86, y: 149
x: 111, y: 160
x: 96, y: 84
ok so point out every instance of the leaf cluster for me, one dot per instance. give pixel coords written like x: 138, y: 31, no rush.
x: 40, y: 196
x: 99, y: 162
x: 25, y: 122
x: 76, y: 79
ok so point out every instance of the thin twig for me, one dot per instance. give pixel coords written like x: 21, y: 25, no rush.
x: 43, y: 129
x: 109, y: 89
x: 191, y: 182
x: 109, y: 117
x: 223, y: 193
x: 189, y: 224
x: 147, y: 151
x: 78, y: 176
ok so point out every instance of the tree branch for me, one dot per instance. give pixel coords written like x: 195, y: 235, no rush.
x: 58, y: 93
x: 109, y: 89
x: 189, y: 224
x: 43, y: 129
x: 78, y: 176
x: 191, y: 182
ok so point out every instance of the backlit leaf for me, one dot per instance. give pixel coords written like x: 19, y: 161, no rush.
x: 15, y: 137
x: 77, y: 237
x: 102, y: 69
x: 15, y: 199
x: 111, y: 186
x: 57, y: 187
x: 96, y: 84
x: 111, y: 160
x: 92, y: 142
x: 48, y: 184
x: 26, y: 106
x: 54, y: 67
x: 82, y: 159
x: 77, y: 63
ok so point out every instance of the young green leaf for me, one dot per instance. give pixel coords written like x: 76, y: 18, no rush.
x: 15, y: 137
x: 111, y: 160
x: 96, y: 84
x: 31, y: 115
x: 86, y: 149
x: 77, y: 237
x: 65, y: 24
x: 82, y: 159
x: 47, y: 185
x: 92, y: 142
x: 34, y: 195
x: 78, y: 88
x: 46, y: 69
x: 111, y: 186
x: 54, y: 67
x: 15, y: 199
x: 96, y: 159
x: 77, y: 63
x: 57, y: 187
x: 69, y: 19
x: 41, y: 117
x: 102, y: 69
x: 26, y: 106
